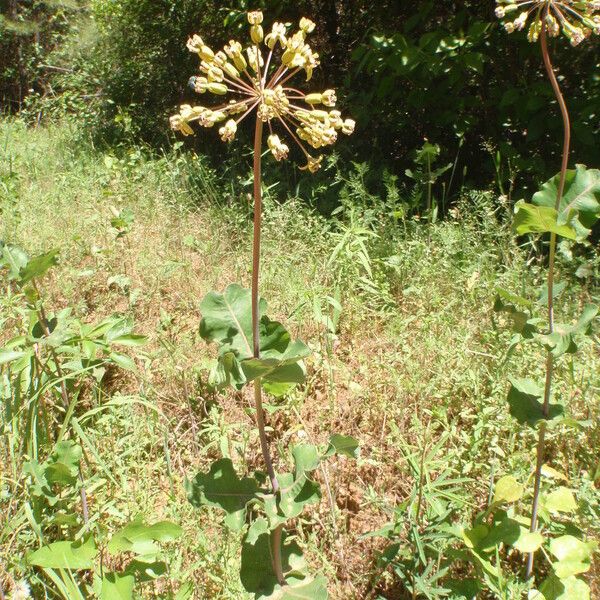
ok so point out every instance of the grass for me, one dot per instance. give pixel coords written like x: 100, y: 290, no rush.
x: 409, y: 356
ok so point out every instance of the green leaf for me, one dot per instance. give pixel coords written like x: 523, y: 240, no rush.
x: 139, y: 538
x: 560, y: 500
x: 306, y: 459
x: 117, y: 587
x: 473, y: 537
x: 299, y: 490
x: 146, y: 568
x: 551, y: 473
x: 14, y: 259
x: 570, y: 588
x: 574, y: 556
x: 343, y: 444
x: 522, y: 322
x: 259, y: 527
x: 506, y: 296
x: 296, y: 494
x: 463, y: 588
x: 227, y: 320
x: 539, y: 219
x: 39, y: 485
x: 38, y: 266
x: 526, y: 406
x: 63, y: 465
x: 529, y: 541
x: 258, y: 577
x: 315, y: 589
x: 65, y: 555
x: 123, y: 361
x: 507, y: 531
x: 222, y: 488
x: 568, y: 547
x: 185, y: 592
x: 130, y: 340
x: 568, y: 568
x: 563, y: 339
x: 7, y: 356
x: 507, y: 489
x: 580, y: 206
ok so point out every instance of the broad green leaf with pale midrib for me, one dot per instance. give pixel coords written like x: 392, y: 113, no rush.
x: 227, y: 321
x: 530, y: 218
x: 564, y: 338
x: 580, y: 204
x: 65, y: 555
x: 526, y: 406
x: 222, y: 488
x: 139, y: 538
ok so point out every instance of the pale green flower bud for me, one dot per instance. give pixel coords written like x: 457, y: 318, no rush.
x: 200, y: 85
x: 256, y: 33
x: 314, y: 99
x: 231, y: 70
x: 186, y: 112
x: 234, y: 52
x: 266, y: 113
x: 220, y: 89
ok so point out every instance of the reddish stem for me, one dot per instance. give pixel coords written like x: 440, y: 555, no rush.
x: 260, y: 414
x: 541, y: 445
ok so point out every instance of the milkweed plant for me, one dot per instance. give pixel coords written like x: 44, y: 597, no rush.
x: 566, y: 207
x: 257, y: 81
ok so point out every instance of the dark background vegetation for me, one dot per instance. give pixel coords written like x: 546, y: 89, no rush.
x: 407, y: 71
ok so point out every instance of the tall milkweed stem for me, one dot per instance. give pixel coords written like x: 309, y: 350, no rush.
x: 260, y: 414
x: 550, y: 359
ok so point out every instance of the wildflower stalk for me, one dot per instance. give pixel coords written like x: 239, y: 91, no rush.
x: 243, y: 72
x: 260, y: 413
x: 552, y: 258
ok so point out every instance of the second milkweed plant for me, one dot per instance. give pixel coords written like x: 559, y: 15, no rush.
x: 256, y: 82
x: 566, y: 207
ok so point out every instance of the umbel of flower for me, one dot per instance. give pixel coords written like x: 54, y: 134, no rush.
x: 260, y: 78
x: 577, y: 19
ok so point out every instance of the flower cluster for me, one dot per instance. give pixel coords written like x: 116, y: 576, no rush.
x: 308, y: 118
x: 577, y: 19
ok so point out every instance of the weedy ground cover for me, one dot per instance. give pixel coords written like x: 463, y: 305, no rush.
x: 406, y: 358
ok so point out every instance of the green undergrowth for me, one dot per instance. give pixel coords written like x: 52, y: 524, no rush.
x: 408, y: 355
